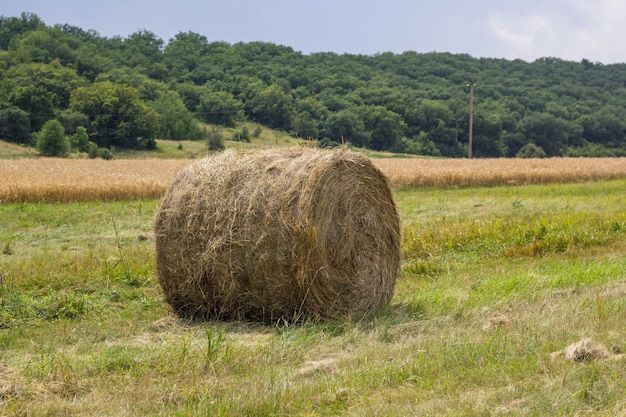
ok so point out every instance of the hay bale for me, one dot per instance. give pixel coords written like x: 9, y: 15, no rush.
x: 587, y: 350
x: 281, y: 233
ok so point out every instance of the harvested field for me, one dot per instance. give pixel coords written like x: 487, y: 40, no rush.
x: 62, y: 180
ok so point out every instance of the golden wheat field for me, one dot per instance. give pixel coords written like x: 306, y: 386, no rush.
x: 63, y: 180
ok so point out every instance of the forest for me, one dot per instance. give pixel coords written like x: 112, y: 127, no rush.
x: 126, y: 92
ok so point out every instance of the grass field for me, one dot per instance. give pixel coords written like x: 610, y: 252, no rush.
x: 494, y: 281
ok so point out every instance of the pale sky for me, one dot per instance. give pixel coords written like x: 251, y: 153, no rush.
x: 525, y: 29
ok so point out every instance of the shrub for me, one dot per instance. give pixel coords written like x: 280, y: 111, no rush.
x: 51, y: 140
x: 531, y: 150
x: 215, y: 141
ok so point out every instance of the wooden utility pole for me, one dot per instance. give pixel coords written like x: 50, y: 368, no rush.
x: 471, y: 118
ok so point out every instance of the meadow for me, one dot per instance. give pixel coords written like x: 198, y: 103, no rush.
x: 496, y: 278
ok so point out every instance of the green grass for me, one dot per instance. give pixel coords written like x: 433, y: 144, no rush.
x: 493, y: 281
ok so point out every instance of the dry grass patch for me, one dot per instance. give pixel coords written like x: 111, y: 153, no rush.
x: 487, y: 172
x: 64, y: 180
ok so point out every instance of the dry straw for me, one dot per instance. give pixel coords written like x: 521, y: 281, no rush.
x: 278, y: 234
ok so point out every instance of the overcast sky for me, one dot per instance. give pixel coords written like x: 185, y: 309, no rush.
x: 525, y: 29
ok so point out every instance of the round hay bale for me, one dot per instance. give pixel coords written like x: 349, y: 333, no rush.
x: 283, y: 233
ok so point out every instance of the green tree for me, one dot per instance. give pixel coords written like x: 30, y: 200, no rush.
x: 546, y: 131
x: 53, y: 77
x: 604, y: 127
x: 304, y: 126
x: 175, y: 122
x: 184, y: 53
x: 346, y: 126
x: 385, y: 127
x: 117, y: 116
x: 51, y: 140
x: 220, y: 107
x: 487, y: 140
x: 15, y: 125
x: 12, y: 27
x: 39, y: 103
x: 80, y: 140
x: 272, y: 107
x: 71, y: 120
x: 446, y: 140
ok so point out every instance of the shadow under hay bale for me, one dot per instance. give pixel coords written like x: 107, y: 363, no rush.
x: 278, y: 234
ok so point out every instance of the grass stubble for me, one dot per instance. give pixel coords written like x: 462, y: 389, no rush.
x: 494, y: 280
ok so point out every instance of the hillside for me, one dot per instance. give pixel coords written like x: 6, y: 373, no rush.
x: 128, y: 91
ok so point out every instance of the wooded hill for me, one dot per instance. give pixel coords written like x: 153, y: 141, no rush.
x: 128, y: 91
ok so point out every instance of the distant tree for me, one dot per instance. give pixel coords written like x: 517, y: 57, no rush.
x: 12, y: 27
x: 487, y: 141
x: 346, y: 126
x: 184, y: 53
x: 384, y: 127
x: 420, y: 146
x: 604, y: 127
x: 71, y: 120
x: 39, y: 103
x: 15, y: 125
x: 220, y: 107
x: 272, y: 107
x: 546, y: 131
x: 117, y: 116
x: 446, y: 139
x: 51, y: 140
x: 304, y: 126
x: 80, y: 140
x: 53, y: 77
x: 175, y: 122
x: 142, y: 50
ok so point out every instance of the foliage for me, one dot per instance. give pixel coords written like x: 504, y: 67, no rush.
x: 243, y: 135
x: 51, y: 140
x: 117, y: 117
x: 409, y: 102
x: 531, y: 150
x: 215, y: 140
x: 15, y: 125
x: 220, y: 107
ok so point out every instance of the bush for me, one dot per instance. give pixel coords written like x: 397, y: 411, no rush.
x: 530, y: 150
x: 51, y: 140
x: 243, y: 136
x: 80, y: 140
x: 105, y: 153
x: 92, y: 150
x: 215, y: 141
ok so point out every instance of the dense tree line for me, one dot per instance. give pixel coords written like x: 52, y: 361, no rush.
x: 126, y: 92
